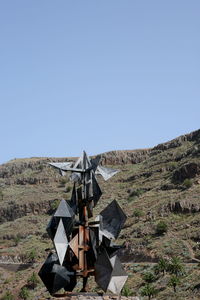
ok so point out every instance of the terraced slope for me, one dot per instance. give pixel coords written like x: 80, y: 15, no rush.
x: 154, y: 185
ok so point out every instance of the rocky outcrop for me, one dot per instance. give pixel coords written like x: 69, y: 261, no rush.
x: 124, y: 157
x: 119, y: 157
x: 29, y: 180
x: 182, y: 206
x: 14, y: 210
x: 16, y: 167
x: 189, y: 170
x: 190, y: 137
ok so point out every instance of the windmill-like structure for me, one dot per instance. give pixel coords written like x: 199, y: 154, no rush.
x: 84, y: 248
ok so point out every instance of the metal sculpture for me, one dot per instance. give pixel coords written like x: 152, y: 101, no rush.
x: 84, y: 248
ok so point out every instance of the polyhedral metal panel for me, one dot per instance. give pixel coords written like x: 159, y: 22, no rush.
x: 118, y: 276
x: 64, y: 210
x: 74, y: 200
x: 61, y: 242
x: 53, y: 275
x: 62, y: 167
x: 52, y: 226
x: 103, y: 270
x: 112, y: 220
x: 106, y: 173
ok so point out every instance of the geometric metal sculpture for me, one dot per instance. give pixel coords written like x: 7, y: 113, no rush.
x: 84, y: 248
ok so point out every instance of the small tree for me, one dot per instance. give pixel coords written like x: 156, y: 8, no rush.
x: 174, y: 281
x: 176, y: 267
x: 161, y: 228
x: 161, y: 267
x: 33, y: 280
x: 149, y: 291
x: 149, y: 277
x: 24, y: 293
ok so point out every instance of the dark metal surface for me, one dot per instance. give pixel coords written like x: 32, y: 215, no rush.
x: 112, y: 220
x: 53, y: 275
x: 103, y: 270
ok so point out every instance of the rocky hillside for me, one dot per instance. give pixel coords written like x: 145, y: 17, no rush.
x: 157, y: 185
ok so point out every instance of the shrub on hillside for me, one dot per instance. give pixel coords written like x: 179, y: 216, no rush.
x: 149, y: 277
x: 176, y: 267
x: 148, y: 290
x: 174, y: 281
x: 126, y: 291
x: 54, y: 204
x: 138, y: 213
x: 63, y: 180
x: 24, y: 293
x: 8, y: 296
x: 16, y: 240
x: 31, y: 256
x: 187, y: 183
x: 162, y: 266
x: 33, y: 280
x: 161, y: 228
x: 135, y: 193
x: 68, y: 189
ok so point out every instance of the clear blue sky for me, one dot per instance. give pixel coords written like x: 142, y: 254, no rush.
x: 96, y: 75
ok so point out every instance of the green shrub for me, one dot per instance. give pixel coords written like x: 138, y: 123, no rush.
x: 161, y: 267
x: 7, y: 280
x: 24, y: 293
x: 174, y: 281
x: 54, y: 204
x: 68, y: 189
x: 149, y: 277
x: 33, y: 280
x: 16, y: 240
x: 126, y: 291
x: 176, y: 267
x: 63, y: 180
x: 138, y: 213
x: 40, y: 167
x: 31, y: 256
x: 148, y: 290
x: 134, y: 194
x: 8, y: 296
x: 161, y: 228
x: 187, y: 183
x: 172, y: 165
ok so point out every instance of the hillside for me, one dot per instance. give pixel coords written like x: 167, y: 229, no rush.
x: 157, y: 184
